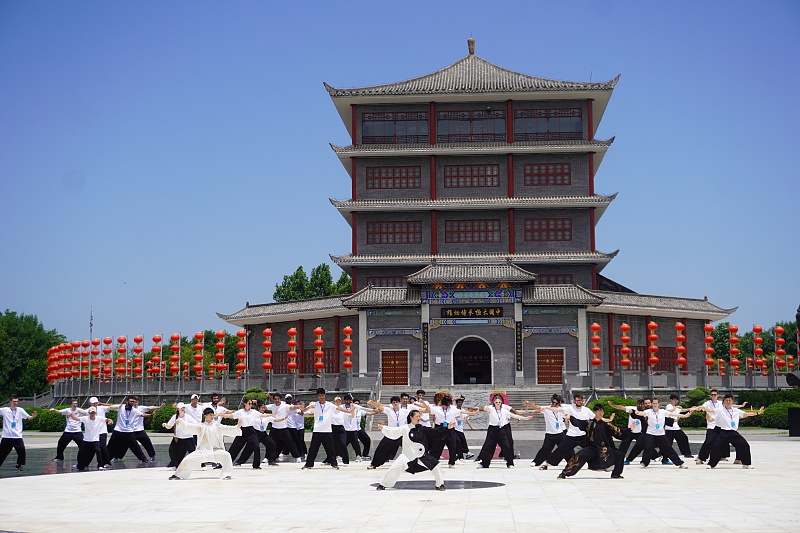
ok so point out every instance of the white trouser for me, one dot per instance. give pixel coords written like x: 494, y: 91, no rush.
x: 399, y: 466
x: 198, y: 457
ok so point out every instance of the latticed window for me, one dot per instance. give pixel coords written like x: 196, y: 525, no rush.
x: 564, y: 124
x: 394, y: 128
x: 547, y: 174
x: 548, y: 229
x: 394, y: 232
x: 554, y: 279
x: 470, y: 126
x: 463, y: 176
x: 394, y: 177
x: 460, y: 231
x: 386, y: 281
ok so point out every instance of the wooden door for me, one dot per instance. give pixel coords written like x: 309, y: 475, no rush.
x: 394, y: 367
x: 549, y: 362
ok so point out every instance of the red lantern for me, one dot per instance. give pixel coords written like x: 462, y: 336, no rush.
x: 174, y: 337
x: 778, y: 330
x: 709, y: 362
x: 156, y: 339
x: 220, y: 334
x: 95, y: 342
x: 241, y: 334
x: 596, y: 362
x: 107, y: 340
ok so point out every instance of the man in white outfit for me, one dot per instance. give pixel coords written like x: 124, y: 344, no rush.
x: 210, y: 446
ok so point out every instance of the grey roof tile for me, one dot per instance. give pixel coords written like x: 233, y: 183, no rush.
x: 371, y: 296
x: 296, y: 307
x: 489, y: 147
x: 472, y: 74
x: 619, y: 301
x: 498, y: 258
x: 559, y: 295
x: 439, y: 272
x: 500, y: 201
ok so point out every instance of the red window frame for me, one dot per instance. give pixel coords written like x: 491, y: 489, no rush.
x: 395, y: 127
x: 557, y: 124
x: 471, y: 231
x: 547, y: 174
x: 548, y: 229
x: 471, y: 126
x: 394, y: 177
x: 468, y: 176
x: 394, y: 232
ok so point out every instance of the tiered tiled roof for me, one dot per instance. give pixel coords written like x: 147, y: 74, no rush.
x: 346, y: 207
x: 667, y: 306
x: 279, y: 311
x: 559, y: 295
x: 600, y: 258
x: 371, y: 296
x: 439, y: 272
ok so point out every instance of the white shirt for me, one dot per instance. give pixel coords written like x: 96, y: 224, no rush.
x: 93, y: 427
x: 673, y: 409
x: 297, y: 420
x: 397, y: 418
x: 713, y: 405
x: 637, y: 424
x: 499, y: 417
x: 280, y: 411
x: 460, y: 419
x: 194, y: 414
x: 126, y: 419
x: 263, y: 421
x: 138, y: 422
x: 12, y: 421
x: 102, y: 412
x: 655, y: 421
x: 581, y: 414
x: 553, y: 422
x: 73, y: 426
x: 249, y: 418
x: 445, y: 416
x: 323, y: 416
x: 209, y: 436
x: 179, y: 431
x: 353, y: 424
x: 727, y: 419
x: 425, y: 418
x: 338, y: 417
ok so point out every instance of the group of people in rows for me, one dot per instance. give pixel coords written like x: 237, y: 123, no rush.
x: 419, y: 430
x: 571, y: 426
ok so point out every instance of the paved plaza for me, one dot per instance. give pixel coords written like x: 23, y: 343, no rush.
x: 659, y: 498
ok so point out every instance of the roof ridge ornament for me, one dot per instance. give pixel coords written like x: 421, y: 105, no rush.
x: 471, y: 46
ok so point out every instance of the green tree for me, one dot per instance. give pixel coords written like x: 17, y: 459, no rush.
x: 298, y: 286
x: 23, y: 354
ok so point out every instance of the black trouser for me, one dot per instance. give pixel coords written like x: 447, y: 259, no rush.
x: 683, y: 441
x: 340, y: 443
x: 722, y: 445
x: 352, y: 439
x: 705, y: 449
x: 178, y: 449
x: 284, y: 441
x: 626, y: 442
x: 120, y: 442
x: 326, y: 440
x: 299, y: 436
x: 639, y: 447
x: 88, y: 450
x: 494, y: 436
x: 386, y: 450
x: 5, y: 448
x: 366, y: 442
x: 452, y: 446
x: 565, y: 449
x: 587, y: 454
x: 463, y: 447
x: 651, y: 441
x: 551, y: 440
x: 249, y: 439
x: 143, y: 439
x: 65, y: 439
x: 269, y: 445
x: 104, y: 448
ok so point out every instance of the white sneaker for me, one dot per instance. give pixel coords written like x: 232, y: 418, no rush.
x: 509, y: 466
x: 299, y: 460
x: 460, y: 462
x: 748, y: 466
x: 683, y: 466
x: 451, y: 466
x: 358, y: 458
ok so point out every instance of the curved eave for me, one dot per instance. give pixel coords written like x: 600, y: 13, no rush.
x: 343, y: 99
x: 345, y: 153
x: 599, y: 202
x: 671, y: 307
x: 287, y: 311
x: 366, y: 260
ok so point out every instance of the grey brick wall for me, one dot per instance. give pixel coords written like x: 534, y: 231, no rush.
x: 471, y: 192
x: 442, y: 341
x: 566, y: 316
x: 446, y: 247
x: 396, y: 342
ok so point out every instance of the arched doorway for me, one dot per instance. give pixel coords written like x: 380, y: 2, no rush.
x: 472, y: 362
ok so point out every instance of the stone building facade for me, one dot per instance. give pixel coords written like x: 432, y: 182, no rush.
x: 473, y: 213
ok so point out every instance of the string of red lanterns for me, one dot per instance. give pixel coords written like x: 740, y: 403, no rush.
x: 241, y: 344
x: 347, y: 353
x: 596, y: 339
x: 291, y: 354
x: 318, y: 353
x: 680, y: 349
x: 709, y: 351
x: 267, y: 355
x: 653, y: 349
x: 779, y: 351
x: 733, y: 340
x: 625, y: 351
x: 198, y: 355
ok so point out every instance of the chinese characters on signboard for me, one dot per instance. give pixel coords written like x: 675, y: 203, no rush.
x: 471, y: 312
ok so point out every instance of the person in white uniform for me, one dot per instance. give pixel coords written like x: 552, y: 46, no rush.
x: 496, y: 433
x: 280, y: 432
x: 323, y: 433
x: 210, y: 445
x: 72, y: 431
x: 182, y: 443
x: 414, y: 457
x: 102, y: 411
x: 90, y: 445
x: 574, y: 436
x: 655, y: 434
x: 554, y: 429
x: 674, y: 431
x: 12, y: 431
x: 726, y: 417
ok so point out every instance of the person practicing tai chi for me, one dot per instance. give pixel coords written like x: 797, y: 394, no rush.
x: 182, y: 443
x: 323, y: 433
x: 210, y: 445
x: 726, y: 417
x: 90, y: 444
x: 635, y: 424
x: 414, y: 457
x: 655, y: 435
x: 554, y: 428
x: 575, y: 436
x: 499, y: 417
x: 599, y: 452
x: 72, y: 432
x: 712, y: 430
x: 674, y: 431
x: 12, y: 432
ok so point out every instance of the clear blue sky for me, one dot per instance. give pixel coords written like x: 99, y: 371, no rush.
x: 160, y: 161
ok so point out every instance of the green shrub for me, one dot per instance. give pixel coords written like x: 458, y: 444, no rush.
x: 621, y: 418
x: 160, y: 416
x: 776, y: 415
x: 50, y: 421
x: 31, y: 424
x: 697, y: 396
x: 696, y: 420
x: 758, y: 398
x: 255, y: 393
